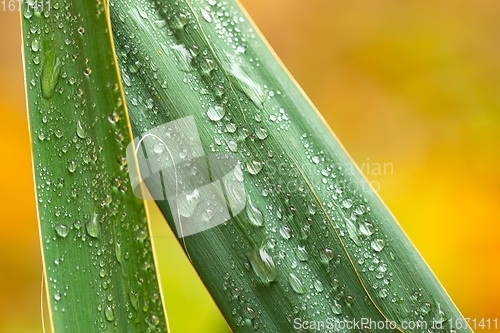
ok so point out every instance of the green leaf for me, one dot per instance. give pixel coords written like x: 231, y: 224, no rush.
x: 314, y: 243
x: 98, y: 261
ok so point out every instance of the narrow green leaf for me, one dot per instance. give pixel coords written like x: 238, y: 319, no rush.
x: 314, y: 244
x: 98, y: 262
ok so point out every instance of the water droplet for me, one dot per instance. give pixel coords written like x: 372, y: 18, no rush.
x: 263, y: 266
x: 336, y: 307
x: 159, y: 147
x: 377, y: 244
x: 326, y: 255
x: 206, y: 15
x: 186, y: 203
x: 383, y: 293
x: 254, y: 167
x: 244, y: 83
x: 93, y: 227
x: 216, y: 113
x: 249, y: 312
x: 80, y: 131
x: 232, y: 145
x: 57, y: 296
x: 318, y: 286
x: 207, y: 66
x: 261, y: 133
x: 301, y: 253
x: 347, y: 203
x: 109, y: 313
x: 296, y: 284
x: 254, y: 214
x: 118, y: 252
x: 315, y: 159
x: 72, y: 166
x: 87, y: 71
x: 425, y: 308
x: 285, y: 232
x: 114, y: 117
x: 352, y: 231
x: 142, y: 13
x: 35, y: 45
x: 134, y: 300
x: 366, y: 228
x: 62, y: 230
x: 81, y: 30
x: 50, y: 74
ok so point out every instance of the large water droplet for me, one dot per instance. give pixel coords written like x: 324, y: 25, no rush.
x: 352, y: 231
x: 50, y: 74
x: 296, y: 284
x: 93, y: 227
x: 377, y: 244
x: 72, y: 166
x: 62, y: 230
x: 301, y: 253
x: 80, y: 130
x: 35, y: 45
x: 285, y: 232
x: 254, y: 214
x: 366, y: 228
x: 206, y: 15
x: 109, y: 313
x: 347, y: 203
x: 326, y: 255
x: 336, y: 307
x: 263, y: 265
x: 254, y: 167
x: 261, y: 133
x: 186, y: 203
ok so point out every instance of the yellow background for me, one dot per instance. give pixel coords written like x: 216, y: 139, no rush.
x: 411, y: 83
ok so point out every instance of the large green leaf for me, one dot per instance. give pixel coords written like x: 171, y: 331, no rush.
x: 314, y: 242
x: 98, y: 262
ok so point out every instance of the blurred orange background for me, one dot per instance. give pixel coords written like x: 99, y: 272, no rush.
x: 412, y: 83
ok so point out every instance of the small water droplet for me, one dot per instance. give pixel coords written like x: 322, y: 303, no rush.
x: 377, y: 244
x: 296, y: 284
x: 315, y: 159
x: 81, y: 30
x: 93, y: 227
x: 87, y: 71
x: 57, y: 296
x: 216, y: 113
x: 301, y: 253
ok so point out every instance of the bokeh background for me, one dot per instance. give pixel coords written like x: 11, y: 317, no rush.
x: 411, y: 83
